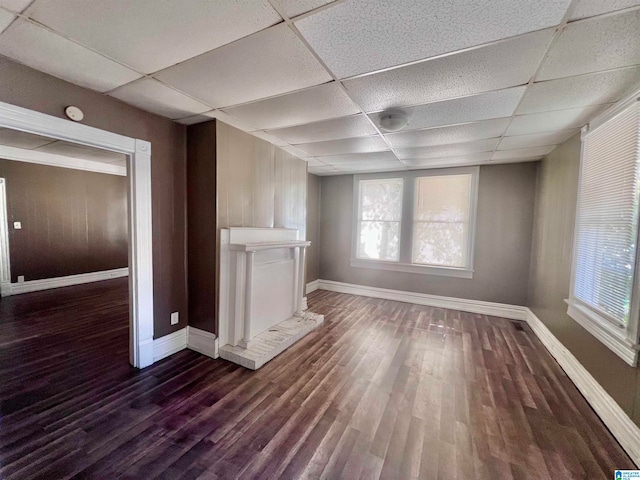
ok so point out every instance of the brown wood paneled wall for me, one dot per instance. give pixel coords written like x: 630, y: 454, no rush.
x: 257, y: 185
x: 73, y: 221
x: 201, y: 223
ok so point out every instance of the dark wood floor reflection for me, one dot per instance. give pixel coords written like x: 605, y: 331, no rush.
x: 382, y: 390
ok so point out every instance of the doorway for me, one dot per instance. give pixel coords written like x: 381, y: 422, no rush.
x: 138, y: 168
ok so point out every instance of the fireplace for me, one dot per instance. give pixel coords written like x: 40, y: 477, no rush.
x: 262, y: 308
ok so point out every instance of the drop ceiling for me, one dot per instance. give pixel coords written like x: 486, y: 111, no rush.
x: 482, y: 81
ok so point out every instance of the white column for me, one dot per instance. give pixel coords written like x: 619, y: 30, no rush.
x: 296, y: 261
x: 300, y: 281
x: 248, y: 293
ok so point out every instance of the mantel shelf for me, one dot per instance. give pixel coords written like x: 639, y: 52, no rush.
x: 257, y: 246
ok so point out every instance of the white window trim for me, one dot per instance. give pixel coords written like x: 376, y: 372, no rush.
x: 406, y: 224
x: 623, y: 341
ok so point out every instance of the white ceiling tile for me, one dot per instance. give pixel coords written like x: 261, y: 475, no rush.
x: 15, y: 5
x: 501, y: 103
x: 501, y: 65
x: 272, y: 139
x: 448, y: 135
x: 346, y: 145
x: 536, y: 139
x: 530, y: 152
x: 361, y: 36
x: 313, y: 162
x: 591, y: 8
x: 551, y: 121
x: 579, y: 91
x: 322, y: 170
x: 593, y: 45
x: 457, y: 149
x: 293, y: 8
x: 57, y: 56
x: 334, y: 129
x: 5, y: 19
x: 230, y: 120
x: 163, y: 32
x: 295, y: 152
x: 152, y: 96
x: 268, y: 63
x: 83, y: 152
x: 472, y: 158
x: 310, y: 105
x: 28, y: 141
x: 371, y: 168
x: 192, y: 120
x: 516, y: 160
x: 373, y: 157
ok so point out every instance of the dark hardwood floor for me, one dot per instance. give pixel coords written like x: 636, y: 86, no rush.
x: 382, y: 390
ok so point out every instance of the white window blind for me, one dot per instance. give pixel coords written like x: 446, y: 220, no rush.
x: 441, y: 217
x: 607, y: 217
x: 379, y: 216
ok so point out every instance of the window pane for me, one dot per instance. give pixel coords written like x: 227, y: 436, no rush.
x: 607, y: 219
x: 438, y: 243
x: 443, y: 198
x: 441, y: 220
x: 381, y: 199
x: 379, y: 240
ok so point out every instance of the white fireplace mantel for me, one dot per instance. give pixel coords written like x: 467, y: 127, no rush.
x: 261, y: 293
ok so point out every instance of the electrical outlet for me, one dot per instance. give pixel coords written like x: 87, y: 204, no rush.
x: 175, y: 318
x: 17, y: 225
x: 20, y: 278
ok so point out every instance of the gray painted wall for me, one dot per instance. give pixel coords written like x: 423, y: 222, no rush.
x: 502, y: 250
x: 557, y: 189
x: 313, y: 227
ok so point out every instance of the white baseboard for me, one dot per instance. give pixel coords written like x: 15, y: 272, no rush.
x: 169, y: 344
x: 612, y: 415
x: 57, y: 282
x: 202, y: 342
x: 617, y: 421
x: 312, y: 286
x: 194, y: 339
x: 475, y: 306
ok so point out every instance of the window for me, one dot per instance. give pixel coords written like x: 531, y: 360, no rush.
x: 418, y: 222
x: 441, y: 220
x: 379, y: 219
x: 604, y: 276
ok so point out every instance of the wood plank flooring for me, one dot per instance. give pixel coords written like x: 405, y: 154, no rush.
x: 382, y: 390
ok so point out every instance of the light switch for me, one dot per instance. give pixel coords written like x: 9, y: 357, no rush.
x: 175, y: 318
x: 17, y: 225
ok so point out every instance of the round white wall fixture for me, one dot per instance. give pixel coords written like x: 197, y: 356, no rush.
x: 74, y: 113
x: 393, y: 121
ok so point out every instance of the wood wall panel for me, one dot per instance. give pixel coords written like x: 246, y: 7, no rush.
x: 257, y: 185
x: 73, y: 221
x: 201, y: 223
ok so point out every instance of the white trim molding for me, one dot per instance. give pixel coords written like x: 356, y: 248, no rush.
x: 474, y: 306
x: 626, y: 432
x: 61, y: 161
x: 140, y: 243
x: 412, y: 268
x: 5, y: 260
x: 312, y: 286
x: 169, y: 344
x: 202, y: 342
x: 57, y: 282
x: 609, y: 334
x: 612, y: 415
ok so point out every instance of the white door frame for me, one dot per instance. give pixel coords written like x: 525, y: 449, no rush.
x: 139, y: 188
